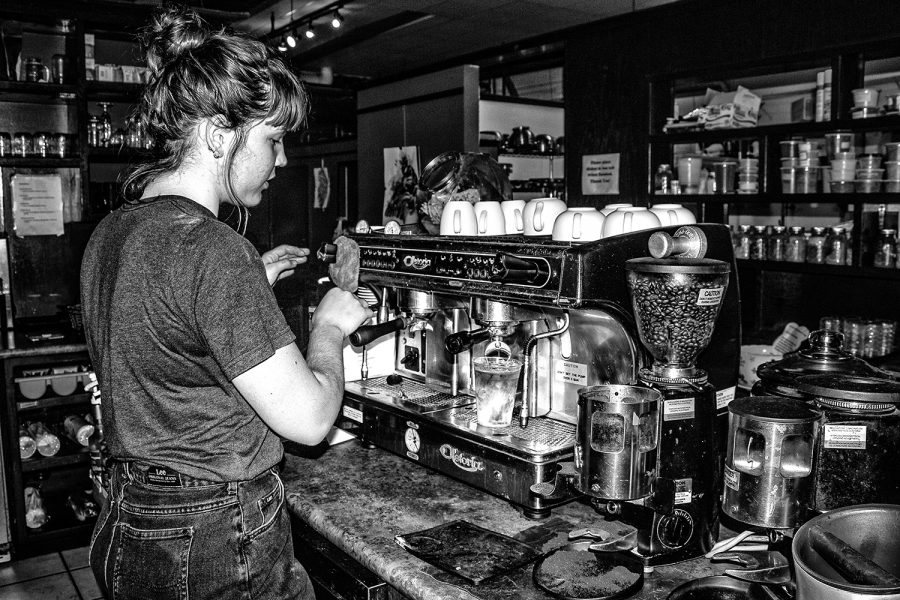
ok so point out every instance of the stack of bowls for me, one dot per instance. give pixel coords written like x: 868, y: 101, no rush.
x: 865, y: 103
x: 869, y: 174
x: 843, y: 173
x: 799, y: 171
x: 748, y: 176
x: 892, y: 167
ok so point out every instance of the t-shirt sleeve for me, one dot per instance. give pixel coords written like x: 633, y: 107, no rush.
x: 233, y: 304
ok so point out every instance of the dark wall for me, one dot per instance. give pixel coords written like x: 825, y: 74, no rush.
x: 608, y: 65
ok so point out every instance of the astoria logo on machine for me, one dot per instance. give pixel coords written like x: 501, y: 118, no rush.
x: 416, y: 262
x: 466, y: 462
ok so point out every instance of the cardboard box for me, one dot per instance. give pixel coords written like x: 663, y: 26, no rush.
x: 803, y: 109
x: 729, y: 110
x: 106, y: 72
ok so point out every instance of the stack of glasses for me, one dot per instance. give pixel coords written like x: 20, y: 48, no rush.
x: 868, y: 338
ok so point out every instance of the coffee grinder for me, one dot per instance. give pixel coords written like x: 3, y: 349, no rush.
x: 676, y: 302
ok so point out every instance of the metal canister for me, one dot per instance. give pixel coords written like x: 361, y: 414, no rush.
x: 857, y: 454
x: 616, y: 441
x: 769, y: 461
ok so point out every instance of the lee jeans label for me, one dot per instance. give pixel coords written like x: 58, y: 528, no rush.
x: 163, y: 476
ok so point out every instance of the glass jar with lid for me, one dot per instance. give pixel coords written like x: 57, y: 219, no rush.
x: 22, y: 144
x: 886, y: 250
x: 836, y: 246
x: 41, y: 141
x: 796, y: 245
x: 663, y: 179
x: 815, y: 246
x: 59, y: 145
x: 93, y: 131
x: 758, y: 242
x: 777, y: 245
x: 742, y: 242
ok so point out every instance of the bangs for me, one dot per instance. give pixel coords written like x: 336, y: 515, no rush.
x: 288, y: 102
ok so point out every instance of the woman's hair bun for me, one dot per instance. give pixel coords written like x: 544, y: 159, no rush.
x: 172, y: 31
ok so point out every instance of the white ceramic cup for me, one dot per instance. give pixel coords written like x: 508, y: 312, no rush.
x: 540, y: 214
x: 612, y: 207
x: 458, y: 218
x: 673, y: 214
x: 579, y: 224
x: 513, y: 216
x: 489, y: 217
x: 626, y: 220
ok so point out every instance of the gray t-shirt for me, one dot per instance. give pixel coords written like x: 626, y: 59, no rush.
x: 176, y: 304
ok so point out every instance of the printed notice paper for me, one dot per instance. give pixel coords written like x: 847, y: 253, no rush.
x: 600, y: 174
x: 37, y: 204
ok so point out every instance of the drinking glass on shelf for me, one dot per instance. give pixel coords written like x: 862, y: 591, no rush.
x: 689, y: 173
x: 41, y: 142
x: 5, y: 144
x: 22, y: 144
x: 104, y: 124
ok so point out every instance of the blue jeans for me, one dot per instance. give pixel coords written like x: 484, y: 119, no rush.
x: 169, y: 536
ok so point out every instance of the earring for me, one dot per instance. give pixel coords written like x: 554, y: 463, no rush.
x: 217, y: 153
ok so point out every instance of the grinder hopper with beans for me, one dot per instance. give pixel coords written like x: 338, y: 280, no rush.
x: 676, y: 302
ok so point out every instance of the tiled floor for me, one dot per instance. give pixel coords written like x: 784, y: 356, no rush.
x: 56, y: 576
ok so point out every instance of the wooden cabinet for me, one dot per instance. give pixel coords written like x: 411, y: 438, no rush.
x: 773, y: 291
x: 46, y: 388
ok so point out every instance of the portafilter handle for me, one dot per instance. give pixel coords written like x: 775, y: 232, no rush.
x: 688, y: 242
x: 459, y: 342
x: 327, y: 253
x: 369, y: 333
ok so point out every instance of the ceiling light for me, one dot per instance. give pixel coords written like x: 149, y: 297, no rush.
x: 337, y: 20
x: 282, y: 45
x: 292, y: 39
x: 309, y: 33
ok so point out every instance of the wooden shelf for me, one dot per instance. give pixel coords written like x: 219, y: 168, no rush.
x: 778, y: 198
x: 122, y: 154
x: 889, y: 122
x: 848, y: 271
x: 37, y: 93
x: 52, y: 402
x: 39, y: 162
x: 44, y: 463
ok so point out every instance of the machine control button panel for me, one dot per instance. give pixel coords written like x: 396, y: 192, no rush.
x: 472, y: 266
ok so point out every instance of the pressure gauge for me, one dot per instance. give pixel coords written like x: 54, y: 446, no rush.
x: 412, y: 440
x: 362, y: 226
x: 392, y: 227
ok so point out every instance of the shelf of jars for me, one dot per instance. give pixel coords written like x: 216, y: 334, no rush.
x: 37, y: 92
x: 779, y: 197
x: 820, y: 269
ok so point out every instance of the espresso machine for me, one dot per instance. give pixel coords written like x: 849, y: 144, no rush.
x: 563, y: 308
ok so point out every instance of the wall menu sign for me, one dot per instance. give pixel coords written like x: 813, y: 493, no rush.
x: 37, y: 204
x: 600, y: 174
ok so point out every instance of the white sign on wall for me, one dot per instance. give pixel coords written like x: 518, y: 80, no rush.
x: 600, y: 174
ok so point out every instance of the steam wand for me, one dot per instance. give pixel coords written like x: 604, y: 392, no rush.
x: 530, y: 343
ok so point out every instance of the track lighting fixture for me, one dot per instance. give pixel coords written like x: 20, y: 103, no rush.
x: 306, y: 24
x: 337, y: 20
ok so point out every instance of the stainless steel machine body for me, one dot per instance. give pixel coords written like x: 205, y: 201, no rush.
x: 563, y: 307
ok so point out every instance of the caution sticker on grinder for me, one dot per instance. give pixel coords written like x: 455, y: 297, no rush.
x: 710, y: 296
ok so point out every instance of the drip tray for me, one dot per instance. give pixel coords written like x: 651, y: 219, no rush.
x: 410, y: 394
x: 542, y: 435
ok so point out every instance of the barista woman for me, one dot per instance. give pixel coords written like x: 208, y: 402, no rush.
x: 199, y: 371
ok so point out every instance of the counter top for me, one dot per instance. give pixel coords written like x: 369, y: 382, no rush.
x: 360, y: 499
